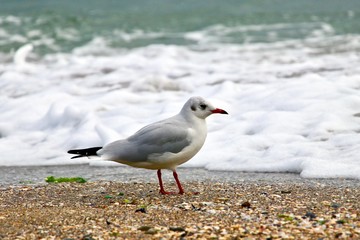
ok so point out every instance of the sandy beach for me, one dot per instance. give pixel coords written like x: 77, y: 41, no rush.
x: 246, y: 207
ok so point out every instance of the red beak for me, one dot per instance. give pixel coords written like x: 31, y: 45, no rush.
x: 218, y: 110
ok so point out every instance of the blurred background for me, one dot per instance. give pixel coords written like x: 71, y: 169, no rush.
x: 83, y: 73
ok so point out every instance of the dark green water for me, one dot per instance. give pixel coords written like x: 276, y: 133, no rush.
x: 54, y: 26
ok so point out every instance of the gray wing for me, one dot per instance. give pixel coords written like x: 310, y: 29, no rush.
x: 157, y: 138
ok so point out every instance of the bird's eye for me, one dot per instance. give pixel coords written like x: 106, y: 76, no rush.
x: 203, y: 106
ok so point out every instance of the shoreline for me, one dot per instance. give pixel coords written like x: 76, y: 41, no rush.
x: 221, y: 210
x: 35, y: 175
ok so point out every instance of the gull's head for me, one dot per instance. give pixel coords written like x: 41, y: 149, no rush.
x: 200, y: 108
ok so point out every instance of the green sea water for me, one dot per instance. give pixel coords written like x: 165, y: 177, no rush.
x: 61, y: 26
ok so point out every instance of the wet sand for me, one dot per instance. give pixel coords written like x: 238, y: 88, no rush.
x: 121, y: 173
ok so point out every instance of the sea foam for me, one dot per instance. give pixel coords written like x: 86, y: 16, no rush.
x: 293, y: 105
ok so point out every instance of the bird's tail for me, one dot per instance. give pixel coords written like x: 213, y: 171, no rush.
x: 86, y: 152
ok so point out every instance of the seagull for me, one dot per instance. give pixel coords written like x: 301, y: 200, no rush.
x: 161, y: 145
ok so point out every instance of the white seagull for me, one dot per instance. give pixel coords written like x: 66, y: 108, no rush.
x: 161, y: 145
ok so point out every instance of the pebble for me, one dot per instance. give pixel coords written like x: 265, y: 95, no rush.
x: 70, y: 211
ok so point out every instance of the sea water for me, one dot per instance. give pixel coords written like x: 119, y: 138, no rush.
x: 77, y: 74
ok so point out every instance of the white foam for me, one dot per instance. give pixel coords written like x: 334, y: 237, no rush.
x: 20, y: 57
x: 293, y: 104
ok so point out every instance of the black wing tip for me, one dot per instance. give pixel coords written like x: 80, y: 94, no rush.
x: 84, y: 152
x: 73, y: 151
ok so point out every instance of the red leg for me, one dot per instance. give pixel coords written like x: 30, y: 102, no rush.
x: 162, y: 190
x: 181, y: 190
